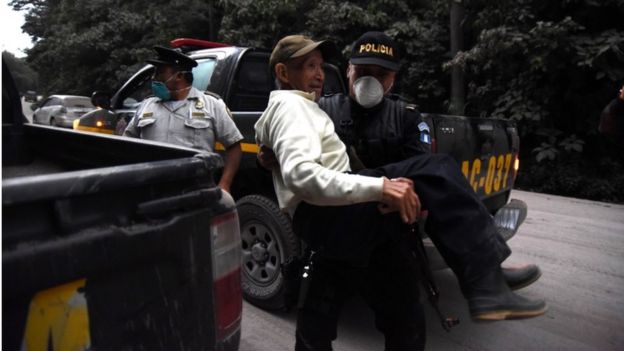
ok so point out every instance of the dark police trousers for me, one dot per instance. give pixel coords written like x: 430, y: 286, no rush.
x: 464, y: 230
x: 387, y: 284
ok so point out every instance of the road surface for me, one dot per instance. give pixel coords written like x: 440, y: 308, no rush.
x: 579, y: 246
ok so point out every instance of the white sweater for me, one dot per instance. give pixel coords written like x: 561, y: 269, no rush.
x: 312, y: 159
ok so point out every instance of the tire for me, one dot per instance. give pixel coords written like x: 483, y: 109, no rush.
x: 52, y: 122
x: 267, y: 241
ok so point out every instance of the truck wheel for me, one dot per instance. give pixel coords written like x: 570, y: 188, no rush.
x: 267, y: 241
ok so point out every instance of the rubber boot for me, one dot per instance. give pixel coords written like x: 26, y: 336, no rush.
x: 491, y: 299
x: 518, y: 277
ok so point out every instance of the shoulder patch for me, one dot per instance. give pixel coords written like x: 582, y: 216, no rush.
x: 425, y: 136
x: 147, y: 114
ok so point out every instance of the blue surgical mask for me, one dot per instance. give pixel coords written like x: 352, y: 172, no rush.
x: 160, y: 89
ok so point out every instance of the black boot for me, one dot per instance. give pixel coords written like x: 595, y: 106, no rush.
x: 490, y: 299
x: 518, y: 277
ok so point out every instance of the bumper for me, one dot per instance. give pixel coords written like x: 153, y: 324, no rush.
x: 65, y: 122
x: 509, y: 218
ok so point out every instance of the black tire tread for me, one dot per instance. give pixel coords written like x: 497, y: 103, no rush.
x: 289, y: 243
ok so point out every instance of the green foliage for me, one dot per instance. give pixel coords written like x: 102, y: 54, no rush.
x: 600, y: 179
x: 420, y: 27
x: 84, y: 45
x: 25, y: 77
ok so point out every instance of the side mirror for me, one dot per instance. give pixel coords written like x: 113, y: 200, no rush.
x: 101, y: 99
x: 30, y: 96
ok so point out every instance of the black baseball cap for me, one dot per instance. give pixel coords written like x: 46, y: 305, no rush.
x: 375, y: 48
x: 294, y: 46
x: 171, y: 57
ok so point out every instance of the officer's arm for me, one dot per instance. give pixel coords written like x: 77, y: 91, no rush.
x: 132, y: 130
x: 227, y: 134
x: 233, y: 155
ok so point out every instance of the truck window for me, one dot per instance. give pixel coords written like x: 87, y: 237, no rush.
x: 202, y: 73
x: 53, y: 101
x: 252, y: 84
x: 333, y: 80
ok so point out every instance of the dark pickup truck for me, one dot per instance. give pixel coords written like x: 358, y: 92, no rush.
x: 113, y: 244
x: 485, y: 148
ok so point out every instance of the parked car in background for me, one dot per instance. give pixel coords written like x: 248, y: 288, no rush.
x: 62, y: 110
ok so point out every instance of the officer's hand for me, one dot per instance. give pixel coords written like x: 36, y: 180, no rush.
x: 266, y: 158
x: 399, y: 195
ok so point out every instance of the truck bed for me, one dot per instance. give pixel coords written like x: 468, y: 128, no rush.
x: 117, y: 226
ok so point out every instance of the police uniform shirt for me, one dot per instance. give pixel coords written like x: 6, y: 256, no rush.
x: 198, y: 122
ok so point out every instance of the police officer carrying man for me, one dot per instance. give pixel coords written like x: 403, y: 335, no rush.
x: 181, y: 114
x: 378, y: 130
x: 352, y: 253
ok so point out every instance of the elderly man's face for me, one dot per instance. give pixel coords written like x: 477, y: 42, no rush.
x: 383, y: 75
x: 305, y: 73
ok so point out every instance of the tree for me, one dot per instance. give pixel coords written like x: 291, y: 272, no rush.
x: 83, y: 45
x: 418, y: 26
x: 25, y: 77
x: 552, y: 67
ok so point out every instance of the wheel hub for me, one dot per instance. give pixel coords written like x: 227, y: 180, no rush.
x: 259, y: 252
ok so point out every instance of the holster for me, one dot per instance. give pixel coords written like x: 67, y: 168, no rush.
x: 296, y: 272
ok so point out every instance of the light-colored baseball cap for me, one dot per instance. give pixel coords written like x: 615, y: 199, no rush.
x: 294, y: 46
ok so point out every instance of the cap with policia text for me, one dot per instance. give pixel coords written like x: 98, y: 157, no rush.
x: 375, y: 48
x: 294, y: 46
x: 172, y: 57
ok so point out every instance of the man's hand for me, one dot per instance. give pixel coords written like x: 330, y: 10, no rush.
x: 399, y: 195
x: 266, y: 158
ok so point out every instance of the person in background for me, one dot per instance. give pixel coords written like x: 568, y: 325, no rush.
x: 612, y: 120
x: 181, y: 114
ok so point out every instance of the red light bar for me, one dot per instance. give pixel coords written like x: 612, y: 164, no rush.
x: 180, y: 42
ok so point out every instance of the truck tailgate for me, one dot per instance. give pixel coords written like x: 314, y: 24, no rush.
x: 486, y: 150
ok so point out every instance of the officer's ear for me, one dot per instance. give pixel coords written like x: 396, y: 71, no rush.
x: 281, y: 72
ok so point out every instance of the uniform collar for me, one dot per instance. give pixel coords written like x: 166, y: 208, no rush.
x: 194, y: 94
